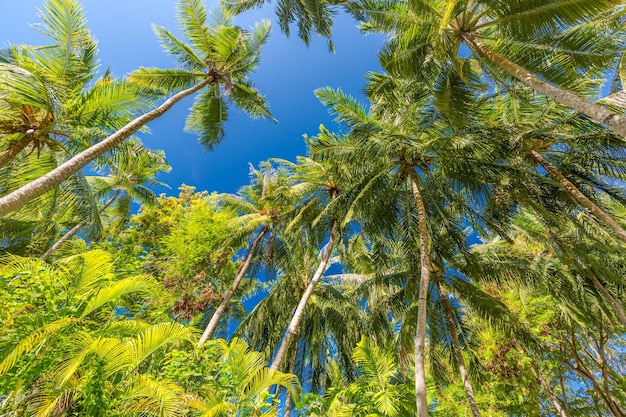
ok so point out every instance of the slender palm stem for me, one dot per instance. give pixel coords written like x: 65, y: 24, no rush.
x: 564, y: 394
x: 469, y: 392
x: 294, y: 325
x: 38, y: 187
x: 600, y: 114
x: 582, y: 199
x: 75, y: 229
x: 210, y: 328
x: 420, y: 333
x: 292, y: 367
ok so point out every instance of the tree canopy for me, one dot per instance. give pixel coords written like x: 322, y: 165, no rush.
x: 454, y: 246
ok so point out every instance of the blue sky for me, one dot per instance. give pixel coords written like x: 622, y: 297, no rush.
x: 287, y: 75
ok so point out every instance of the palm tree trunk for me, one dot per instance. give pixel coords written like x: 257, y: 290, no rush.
x: 564, y: 394
x: 14, y: 149
x: 292, y: 367
x: 420, y: 334
x: 38, y: 187
x: 546, y: 386
x: 600, y: 114
x: 294, y: 325
x: 469, y: 392
x: 75, y: 229
x: 582, y: 199
x: 210, y: 328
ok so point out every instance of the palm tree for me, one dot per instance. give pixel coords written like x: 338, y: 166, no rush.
x: 333, y: 318
x: 320, y: 186
x: 261, y: 207
x: 218, y: 60
x: 50, y: 100
x: 386, y: 150
x: 577, y: 155
x: 545, y: 45
x: 133, y: 169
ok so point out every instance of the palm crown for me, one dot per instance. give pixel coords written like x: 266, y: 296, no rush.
x: 223, y: 53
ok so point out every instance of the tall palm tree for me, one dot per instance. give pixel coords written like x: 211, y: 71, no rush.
x: 261, y: 207
x: 51, y: 99
x: 581, y: 159
x: 217, y: 60
x: 332, y: 317
x: 393, y: 150
x: 545, y: 45
x: 320, y: 187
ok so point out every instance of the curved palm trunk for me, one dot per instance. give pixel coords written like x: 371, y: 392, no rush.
x: 582, y: 199
x: 294, y: 325
x: 38, y: 187
x: 600, y: 114
x: 469, y: 392
x: 75, y: 229
x: 14, y: 149
x: 210, y: 328
x: 420, y: 334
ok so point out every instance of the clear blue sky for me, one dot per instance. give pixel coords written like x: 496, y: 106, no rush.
x: 287, y: 75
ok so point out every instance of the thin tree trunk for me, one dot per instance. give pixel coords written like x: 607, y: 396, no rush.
x: 40, y: 186
x: 564, y: 393
x: 294, y: 325
x: 600, y: 114
x: 469, y: 392
x: 420, y: 334
x: 210, y: 328
x: 14, y: 149
x: 604, y: 366
x: 546, y: 386
x: 580, y: 197
x: 582, y: 370
x: 292, y: 367
x: 76, y: 228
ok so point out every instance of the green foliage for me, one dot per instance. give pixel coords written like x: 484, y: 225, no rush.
x: 227, y: 379
x: 45, y: 367
x: 380, y: 389
x: 182, y: 242
x: 218, y: 51
x: 534, y: 321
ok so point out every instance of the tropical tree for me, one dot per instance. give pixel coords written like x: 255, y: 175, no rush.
x: 180, y: 241
x: 545, y: 45
x: 393, y: 151
x: 218, y: 60
x: 51, y: 99
x: 319, y: 186
x: 332, y: 317
x: 261, y: 207
x: 583, y: 160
